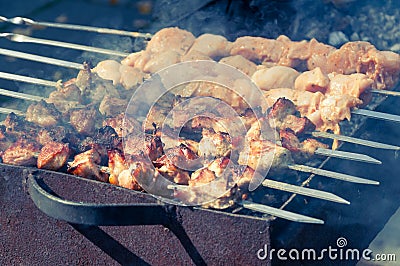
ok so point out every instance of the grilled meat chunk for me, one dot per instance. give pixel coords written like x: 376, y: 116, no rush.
x: 284, y: 115
x: 241, y: 63
x: 183, y: 157
x: 66, y: 97
x: 23, y: 152
x: 84, y: 120
x: 53, y: 156
x: 275, y: 77
x: 86, y: 165
x: 230, y: 189
x: 214, y: 145
x: 112, y: 106
x: 43, y: 114
x: 116, y: 165
x: 151, y: 146
x: 214, y: 46
x: 5, y: 140
x: 300, y: 151
x: 169, y: 170
x: 123, y: 125
x: 108, y: 70
x: 264, y: 156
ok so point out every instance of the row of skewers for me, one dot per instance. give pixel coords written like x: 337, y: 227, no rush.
x: 74, y: 102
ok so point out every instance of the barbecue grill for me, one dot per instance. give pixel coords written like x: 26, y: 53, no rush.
x: 180, y: 229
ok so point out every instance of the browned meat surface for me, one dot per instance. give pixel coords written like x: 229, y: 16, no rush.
x: 139, y: 169
x: 149, y: 145
x: 53, y: 156
x: 123, y: 125
x: 43, y: 114
x: 66, y: 97
x: 84, y: 78
x: 5, y: 140
x: 112, y: 106
x: 23, y: 152
x: 116, y: 165
x: 214, y: 144
x: 169, y: 170
x: 285, y: 116
x: 57, y: 134
x: 84, y: 120
x: 183, y: 157
x: 233, y: 188
x: 300, y: 151
x: 86, y: 165
x: 264, y: 155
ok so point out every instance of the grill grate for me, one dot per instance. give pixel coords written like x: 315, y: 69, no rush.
x: 278, y: 212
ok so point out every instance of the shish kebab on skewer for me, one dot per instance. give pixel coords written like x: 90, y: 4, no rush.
x: 379, y: 67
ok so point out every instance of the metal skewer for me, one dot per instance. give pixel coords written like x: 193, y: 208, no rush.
x: 347, y: 155
x: 288, y: 188
x: 363, y: 142
x: 30, y: 22
x: 291, y: 216
x: 315, y: 193
x: 19, y: 95
x: 280, y: 213
x: 8, y: 111
x: 27, y: 79
x: 385, y: 92
x: 26, y: 39
x: 377, y: 115
x: 331, y: 174
x: 42, y: 59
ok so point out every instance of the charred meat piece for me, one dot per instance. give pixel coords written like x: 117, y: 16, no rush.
x: 5, y: 140
x: 23, y: 152
x: 149, y: 145
x: 139, y: 169
x: 53, y: 156
x: 215, y: 144
x: 18, y: 127
x: 43, y: 114
x: 284, y: 115
x: 104, y: 140
x: 123, y: 125
x: 182, y: 156
x: 112, y: 106
x: 64, y: 134
x: 169, y: 170
x: 116, y: 165
x: 86, y: 165
x: 264, y: 156
x: 233, y: 188
x: 84, y: 120
x: 301, y: 151
x: 66, y: 97
x: 275, y: 77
